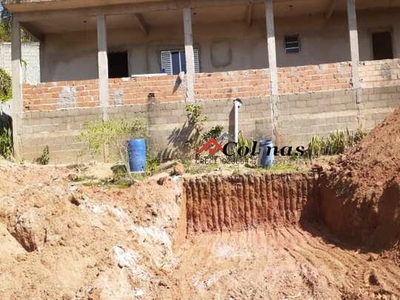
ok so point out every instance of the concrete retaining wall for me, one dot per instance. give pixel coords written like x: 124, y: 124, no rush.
x: 300, y: 117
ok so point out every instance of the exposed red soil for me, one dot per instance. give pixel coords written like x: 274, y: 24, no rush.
x: 258, y: 236
x: 62, y: 240
x: 244, y: 202
x: 285, y: 263
x: 360, y: 196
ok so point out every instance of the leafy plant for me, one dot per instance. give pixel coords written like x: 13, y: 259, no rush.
x: 356, y: 137
x: 5, y: 29
x: 243, y: 142
x: 215, y: 132
x: 153, y: 163
x: 99, y: 134
x: 5, y: 86
x: 186, y: 161
x: 112, y: 135
x: 6, y: 144
x: 194, y: 114
x: 196, y: 122
x: 336, y: 143
x: 45, y: 157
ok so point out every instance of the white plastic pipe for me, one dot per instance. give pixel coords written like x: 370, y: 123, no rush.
x: 237, y: 105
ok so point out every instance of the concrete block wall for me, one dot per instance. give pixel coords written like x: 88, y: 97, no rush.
x: 168, y: 128
x: 377, y: 103
x: 303, y: 116
x: 380, y: 73
x: 59, y: 130
x: 166, y: 122
x: 30, y: 57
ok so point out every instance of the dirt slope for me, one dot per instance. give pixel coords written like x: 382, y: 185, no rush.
x: 361, y: 191
x: 62, y: 240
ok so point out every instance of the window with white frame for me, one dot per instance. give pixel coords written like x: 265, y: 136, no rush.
x: 174, y: 61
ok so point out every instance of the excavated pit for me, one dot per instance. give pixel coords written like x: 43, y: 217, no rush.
x: 269, y: 234
x: 251, y: 201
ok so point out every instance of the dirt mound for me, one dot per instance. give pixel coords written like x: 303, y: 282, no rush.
x: 244, y: 202
x: 360, y: 192
x: 63, y: 240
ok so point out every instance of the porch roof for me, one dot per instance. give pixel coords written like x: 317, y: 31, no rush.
x: 40, y: 5
x: 43, y: 17
x: 46, y: 5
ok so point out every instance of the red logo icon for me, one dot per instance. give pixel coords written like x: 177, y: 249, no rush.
x: 212, y: 145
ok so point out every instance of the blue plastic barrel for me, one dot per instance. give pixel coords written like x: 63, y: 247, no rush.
x: 137, y: 155
x: 266, y: 157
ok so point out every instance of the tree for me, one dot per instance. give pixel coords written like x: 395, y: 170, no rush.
x: 5, y: 28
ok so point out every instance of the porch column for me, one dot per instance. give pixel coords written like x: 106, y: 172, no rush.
x: 354, y: 48
x: 187, y: 27
x: 269, y: 14
x: 17, y: 99
x: 102, y: 63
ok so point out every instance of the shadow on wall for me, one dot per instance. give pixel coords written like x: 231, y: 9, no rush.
x: 5, y: 121
x: 178, y: 142
x: 231, y: 128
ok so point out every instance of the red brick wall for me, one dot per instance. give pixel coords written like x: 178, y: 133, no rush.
x: 210, y: 86
x: 46, y: 96
x: 314, y: 78
x: 136, y: 90
x: 232, y: 85
x: 380, y: 73
x: 127, y: 91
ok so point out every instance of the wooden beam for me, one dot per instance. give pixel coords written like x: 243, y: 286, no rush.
x: 17, y: 98
x: 102, y: 63
x: 142, y: 23
x: 189, y: 53
x: 249, y: 14
x: 354, y: 47
x: 330, y: 8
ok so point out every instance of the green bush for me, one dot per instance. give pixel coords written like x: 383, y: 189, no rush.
x: 215, y: 132
x: 5, y: 86
x: 153, y: 163
x: 112, y: 133
x: 196, y: 121
x: 6, y: 144
x: 44, y: 159
x: 336, y: 143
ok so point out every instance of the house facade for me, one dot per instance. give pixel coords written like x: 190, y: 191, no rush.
x: 301, y: 67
